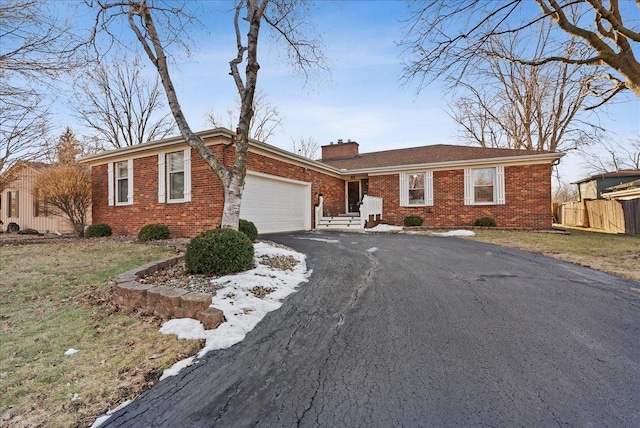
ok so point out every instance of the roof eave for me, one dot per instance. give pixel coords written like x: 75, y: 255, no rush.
x: 178, y: 139
x: 513, y: 160
x: 632, y: 193
x: 212, y: 133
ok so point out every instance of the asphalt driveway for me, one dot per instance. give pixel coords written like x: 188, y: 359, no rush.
x: 407, y: 330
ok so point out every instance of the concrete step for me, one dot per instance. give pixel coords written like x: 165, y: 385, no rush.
x: 341, y: 222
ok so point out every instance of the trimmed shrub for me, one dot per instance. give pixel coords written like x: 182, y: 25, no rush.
x: 413, y: 220
x: 219, y: 252
x: 485, y: 222
x: 249, y: 229
x: 98, y: 230
x: 153, y: 232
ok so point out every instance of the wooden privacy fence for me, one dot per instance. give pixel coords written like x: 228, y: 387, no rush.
x: 631, y: 216
x: 606, y: 215
x: 572, y: 214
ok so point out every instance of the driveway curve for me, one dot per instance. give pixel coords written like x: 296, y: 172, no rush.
x: 410, y: 331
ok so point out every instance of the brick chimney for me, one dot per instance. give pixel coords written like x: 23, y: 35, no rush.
x: 340, y: 150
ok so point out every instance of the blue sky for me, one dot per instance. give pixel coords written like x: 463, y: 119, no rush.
x: 361, y: 97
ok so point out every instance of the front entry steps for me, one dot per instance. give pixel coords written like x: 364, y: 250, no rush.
x: 342, y: 222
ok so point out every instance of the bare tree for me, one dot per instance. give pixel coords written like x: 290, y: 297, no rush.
x: 120, y: 106
x: 612, y: 156
x: 565, y: 192
x: 22, y: 133
x: 444, y: 38
x: 264, y: 124
x: 34, y: 51
x: 307, y: 147
x: 282, y: 16
x: 520, y: 106
x: 67, y: 189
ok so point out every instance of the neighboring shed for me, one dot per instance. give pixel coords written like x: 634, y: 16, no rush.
x: 593, y: 186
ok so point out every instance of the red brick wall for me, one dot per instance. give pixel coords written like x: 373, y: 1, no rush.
x: 527, y: 194
x: 207, y: 198
x: 340, y: 150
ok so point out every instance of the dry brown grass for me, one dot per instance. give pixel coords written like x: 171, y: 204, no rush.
x: 55, y: 296
x: 615, y: 254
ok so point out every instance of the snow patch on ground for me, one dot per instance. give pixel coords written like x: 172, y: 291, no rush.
x: 372, y: 250
x: 70, y: 351
x: 102, y: 419
x: 385, y: 228
x: 460, y: 232
x: 242, y: 309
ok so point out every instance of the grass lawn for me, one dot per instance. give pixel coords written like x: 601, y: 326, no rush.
x: 56, y: 296
x: 615, y: 254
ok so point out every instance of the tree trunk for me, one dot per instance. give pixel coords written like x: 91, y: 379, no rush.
x: 232, y: 201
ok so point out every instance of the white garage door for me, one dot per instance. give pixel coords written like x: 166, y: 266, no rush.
x: 276, y: 204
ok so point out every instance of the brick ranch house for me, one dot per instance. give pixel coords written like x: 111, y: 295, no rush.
x: 449, y: 186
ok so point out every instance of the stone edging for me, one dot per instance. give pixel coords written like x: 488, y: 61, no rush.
x: 164, y: 301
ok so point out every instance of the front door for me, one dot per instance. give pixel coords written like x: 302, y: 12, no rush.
x: 353, y: 197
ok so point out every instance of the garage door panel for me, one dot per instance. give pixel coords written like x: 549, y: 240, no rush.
x: 274, y: 205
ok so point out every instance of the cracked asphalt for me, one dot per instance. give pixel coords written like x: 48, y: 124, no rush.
x: 410, y: 331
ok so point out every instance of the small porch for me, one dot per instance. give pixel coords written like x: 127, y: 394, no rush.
x: 369, y: 208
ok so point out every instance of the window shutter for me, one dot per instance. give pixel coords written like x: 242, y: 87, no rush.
x: 404, y: 190
x: 130, y: 181
x: 187, y: 175
x: 428, y: 188
x: 111, y: 182
x: 468, y: 186
x: 161, y: 178
x: 500, y: 193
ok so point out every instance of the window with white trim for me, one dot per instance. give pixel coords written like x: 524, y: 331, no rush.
x: 484, y: 186
x: 122, y: 183
x: 120, y: 175
x: 416, y: 189
x: 174, y: 176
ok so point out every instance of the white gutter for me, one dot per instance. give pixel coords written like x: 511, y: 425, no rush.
x: 171, y: 141
x: 624, y: 195
x: 512, y: 160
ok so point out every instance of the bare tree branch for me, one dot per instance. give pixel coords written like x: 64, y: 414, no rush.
x: 307, y: 147
x: 510, y: 104
x: 445, y: 38
x: 120, y: 106
x: 34, y: 50
x: 612, y: 155
x: 264, y: 124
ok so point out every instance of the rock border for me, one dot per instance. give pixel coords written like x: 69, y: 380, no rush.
x: 164, y: 301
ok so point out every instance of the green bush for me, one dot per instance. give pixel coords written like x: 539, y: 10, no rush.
x: 485, y: 222
x: 249, y: 229
x: 98, y: 230
x: 219, y: 252
x: 413, y: 220
x: 153, y: 232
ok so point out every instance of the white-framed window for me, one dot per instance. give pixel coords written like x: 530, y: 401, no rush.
x: 174, y: 176
x: 416, y: 189
x: 484, y: 186
x: 120, y: 175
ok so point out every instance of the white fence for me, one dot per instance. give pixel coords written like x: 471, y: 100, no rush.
x: 371, y: 206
